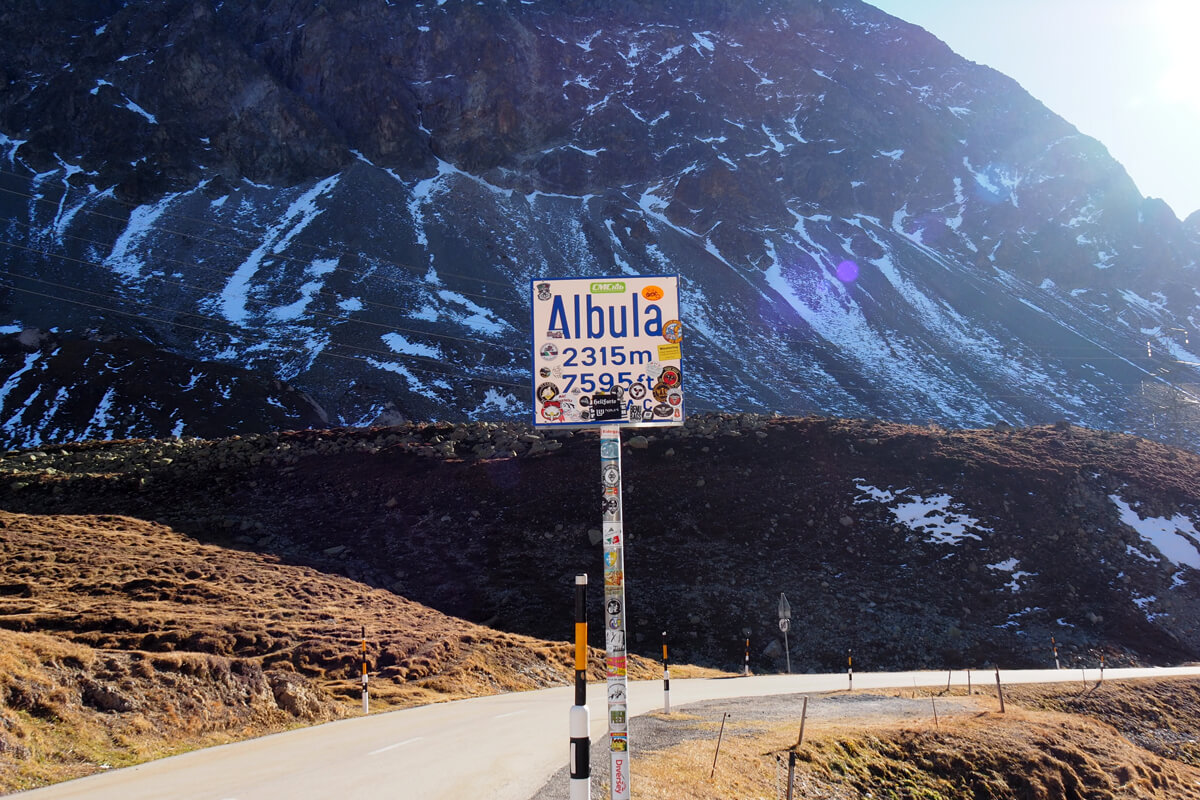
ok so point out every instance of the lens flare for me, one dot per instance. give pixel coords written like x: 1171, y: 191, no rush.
x: 847, y: 272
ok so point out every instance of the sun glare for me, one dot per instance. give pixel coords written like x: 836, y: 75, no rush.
x: 1175, y: 24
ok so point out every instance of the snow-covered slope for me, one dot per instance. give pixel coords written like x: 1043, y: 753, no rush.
x: 351, y: 200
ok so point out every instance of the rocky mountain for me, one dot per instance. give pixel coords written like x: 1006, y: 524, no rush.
x: 250, y: 215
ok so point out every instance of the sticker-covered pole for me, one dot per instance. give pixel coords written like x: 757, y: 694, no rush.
x: 580, y: 720
x: 366, y: 703
x: 666, y: 678
x: 615, y: 654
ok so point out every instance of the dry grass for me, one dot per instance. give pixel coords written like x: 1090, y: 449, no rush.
x: 1025, y: 754
x: 123, y: 640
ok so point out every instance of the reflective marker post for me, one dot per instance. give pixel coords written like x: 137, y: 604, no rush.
x: 580, y: 720
x: 667, y: 679
x: 746, y: 663
x: 615, y: 653
x: 366, y: 703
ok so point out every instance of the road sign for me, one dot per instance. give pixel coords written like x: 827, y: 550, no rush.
x: 607, y: 351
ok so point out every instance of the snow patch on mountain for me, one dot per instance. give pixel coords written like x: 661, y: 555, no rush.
x: 1175, y: 538
x: 234, y: 298
x: 938, y: 517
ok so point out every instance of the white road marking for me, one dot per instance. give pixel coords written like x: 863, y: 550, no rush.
x: 394, y: 746
x: 509, y: 714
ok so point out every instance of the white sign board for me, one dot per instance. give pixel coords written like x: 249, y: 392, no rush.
x: 607, y: 351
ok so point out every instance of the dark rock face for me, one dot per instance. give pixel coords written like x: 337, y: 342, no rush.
x: 351, y: 198
x: 115, y: 389
x: 915, y: 546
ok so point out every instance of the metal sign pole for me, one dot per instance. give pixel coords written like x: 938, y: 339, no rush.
x: 785, y: 622
x: 616, y: 654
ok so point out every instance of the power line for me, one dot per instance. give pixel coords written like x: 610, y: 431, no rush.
x: 322, y: 251
x: 323, y: 352
x: 349, y: 319
x: 241, y: 332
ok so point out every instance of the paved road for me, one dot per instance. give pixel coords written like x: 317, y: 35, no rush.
x: 501, y: 748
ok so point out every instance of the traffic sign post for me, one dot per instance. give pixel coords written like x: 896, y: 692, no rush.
x: 608, y: 352
x: 785, y: 622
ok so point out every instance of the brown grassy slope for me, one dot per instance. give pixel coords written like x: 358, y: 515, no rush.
x: 1023, y: 754
x: 122, y: 640
x: 1162, y: 716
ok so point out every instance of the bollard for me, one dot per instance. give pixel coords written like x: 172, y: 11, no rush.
x: 746, y: 667
x: 850, y: 667
x: 666, y: 678
x: 366, y: 703
x: 580, y: 717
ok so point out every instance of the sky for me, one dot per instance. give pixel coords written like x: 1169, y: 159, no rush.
x: 1126, y: 72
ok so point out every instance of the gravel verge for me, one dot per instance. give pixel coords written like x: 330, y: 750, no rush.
x: 749, y: 716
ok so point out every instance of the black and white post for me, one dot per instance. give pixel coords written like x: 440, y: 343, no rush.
x: 1054, y: 647
x: 666, y: 678
x: 366, y: 702
x: 581, y: 720
x: 850, y: 667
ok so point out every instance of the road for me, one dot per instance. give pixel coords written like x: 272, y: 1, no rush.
x: 502, y: 748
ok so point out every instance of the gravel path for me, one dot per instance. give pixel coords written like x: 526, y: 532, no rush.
x: 653, y: 732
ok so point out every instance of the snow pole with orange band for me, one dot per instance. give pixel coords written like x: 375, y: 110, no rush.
x: 581, y: 743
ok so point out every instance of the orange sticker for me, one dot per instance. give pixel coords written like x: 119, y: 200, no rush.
x: 652, y: 293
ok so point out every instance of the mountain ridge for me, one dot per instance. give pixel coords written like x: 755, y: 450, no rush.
x: 357, y: 207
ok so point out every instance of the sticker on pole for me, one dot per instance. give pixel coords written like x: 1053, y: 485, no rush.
x: 607, y: 351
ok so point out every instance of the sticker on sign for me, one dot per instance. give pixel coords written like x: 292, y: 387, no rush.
x: 607, y: 351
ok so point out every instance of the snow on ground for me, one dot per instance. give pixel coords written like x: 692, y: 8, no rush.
x: 1010, y: 566
x: 1175, y: 538
x: 936, y: 517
